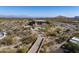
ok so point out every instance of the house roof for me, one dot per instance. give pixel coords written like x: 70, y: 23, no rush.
x: 39, y: 20
x: 1, y: 34
x: 74, y: 40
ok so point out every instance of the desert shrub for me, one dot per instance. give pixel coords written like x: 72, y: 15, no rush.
x: 49, y: 33
x: 55, y: 31
x: 29, y: 39
x: 72, y: 47
x: 22, y: 50
x: 8, y: 40
x: 76, y: 34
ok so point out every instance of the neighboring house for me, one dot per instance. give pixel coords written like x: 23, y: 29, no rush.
x: 37, y: 25
x: 74, y: 40
x: 2, y: 35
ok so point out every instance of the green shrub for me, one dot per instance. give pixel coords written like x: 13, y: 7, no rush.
x: 76, y: 34
x: 22, y: 50
x: 73, y: 47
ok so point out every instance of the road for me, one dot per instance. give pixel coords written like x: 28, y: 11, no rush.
x: 36, y: 46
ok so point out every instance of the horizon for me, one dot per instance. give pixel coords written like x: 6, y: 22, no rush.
x: 39, y: 11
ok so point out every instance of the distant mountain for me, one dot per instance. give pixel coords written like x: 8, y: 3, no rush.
x: 76, y: 17
x: 23, y: 16
x: 12, y: 16
x: 60, y: 16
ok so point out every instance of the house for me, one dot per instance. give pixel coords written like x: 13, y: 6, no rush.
x: 2, y: 35
x: 74, y: 40
x: 38, y: 22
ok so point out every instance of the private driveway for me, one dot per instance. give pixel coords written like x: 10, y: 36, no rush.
x: 37, y: 44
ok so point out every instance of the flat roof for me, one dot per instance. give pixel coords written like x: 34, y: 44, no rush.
x: 74, y: 41
x: 75, y: 38
x: 41, y: 20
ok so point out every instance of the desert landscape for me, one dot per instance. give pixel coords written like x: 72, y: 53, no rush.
x: 39, y: 35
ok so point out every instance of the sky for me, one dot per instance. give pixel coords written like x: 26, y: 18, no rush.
x: 39, y: 11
